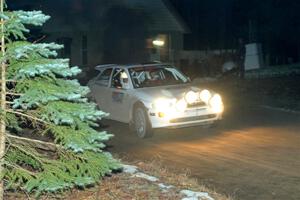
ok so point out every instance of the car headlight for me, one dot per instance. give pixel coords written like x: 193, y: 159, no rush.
x: 164, y: 104
x: 181, y: 105
x: 205, y: 95
x: 191, y: 97
x: 168, y: 108
x: 216, y: 103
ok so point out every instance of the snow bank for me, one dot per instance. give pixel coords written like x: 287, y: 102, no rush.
x: 130, y: 169
x: 191, y: 195
x: 145, y: 176
x: 188, y: 194
x: 274, y: 71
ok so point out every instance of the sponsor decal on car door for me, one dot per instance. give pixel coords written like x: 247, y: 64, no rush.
x: 117, y: 96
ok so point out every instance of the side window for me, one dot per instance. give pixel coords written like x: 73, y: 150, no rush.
x: 120, y: 79
x: 104, y: 77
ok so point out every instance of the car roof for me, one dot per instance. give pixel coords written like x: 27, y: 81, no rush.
x: 102, y: 67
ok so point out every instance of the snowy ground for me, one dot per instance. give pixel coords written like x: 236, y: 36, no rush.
x: 187, y: 194
x: 274, y: 71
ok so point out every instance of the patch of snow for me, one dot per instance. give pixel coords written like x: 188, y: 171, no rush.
x: 190, y: 198
x: 145, y: 176
x: 130, y: 169
x: 165, y: 187
x: 273, y: 71
x: 280, y: 109
x: 191, y: 195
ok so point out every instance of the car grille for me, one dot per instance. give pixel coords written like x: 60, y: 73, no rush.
x: 197, y: 104
x: 194, y: 118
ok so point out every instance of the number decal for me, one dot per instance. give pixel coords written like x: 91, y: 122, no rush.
x: 117, y: 97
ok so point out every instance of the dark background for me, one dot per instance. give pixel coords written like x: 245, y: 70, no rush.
x: 217, y: 24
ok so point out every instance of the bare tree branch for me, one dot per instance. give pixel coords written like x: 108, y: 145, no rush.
x: 14, y: 94
x: 28, y: 116
x: 48, y: 146
x: 9, y: 81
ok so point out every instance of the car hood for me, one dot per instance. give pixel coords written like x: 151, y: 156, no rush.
x: 174, y: 91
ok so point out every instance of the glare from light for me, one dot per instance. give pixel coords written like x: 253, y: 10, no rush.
x: 191, y: 97
x: 205, y: 95
x: 166, y: 108
x: 216, y: 104
x: 163, y: 104
x: 181, y: 105
x: 158, y: 43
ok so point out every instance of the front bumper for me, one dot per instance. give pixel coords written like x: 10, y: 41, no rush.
x: 190, y: 117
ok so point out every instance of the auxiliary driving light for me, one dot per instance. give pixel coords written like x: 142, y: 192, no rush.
x: 216, y: 103
x: 191, y: 97
x: 205, y: 95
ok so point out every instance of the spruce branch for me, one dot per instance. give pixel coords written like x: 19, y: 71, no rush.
x: 20, y: 168
x: 27, y: 152
x: 27, y: 116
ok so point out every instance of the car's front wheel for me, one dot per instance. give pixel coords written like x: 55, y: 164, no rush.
x: 141, y: 124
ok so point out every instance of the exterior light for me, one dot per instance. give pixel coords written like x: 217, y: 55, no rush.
x: 181, y: 105
x: 216, y: 103
x: 158, y: 43
x: 205, y: 95
x: 191, y: 97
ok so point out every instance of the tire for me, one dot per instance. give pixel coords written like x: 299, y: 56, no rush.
x: 141, y: 124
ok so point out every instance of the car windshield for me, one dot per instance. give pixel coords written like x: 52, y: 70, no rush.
x: 151, y: 76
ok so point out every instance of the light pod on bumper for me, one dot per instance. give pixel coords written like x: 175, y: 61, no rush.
x: 216, y: 103
x: 191, y: 97
x: 205, y: 95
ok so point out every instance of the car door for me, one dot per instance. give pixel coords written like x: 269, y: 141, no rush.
x: 120, y: 95
x: 101, y: 89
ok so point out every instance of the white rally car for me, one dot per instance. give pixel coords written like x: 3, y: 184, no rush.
x: 148, y: 96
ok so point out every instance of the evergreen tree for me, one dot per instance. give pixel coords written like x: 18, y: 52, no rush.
x: 38, y: 94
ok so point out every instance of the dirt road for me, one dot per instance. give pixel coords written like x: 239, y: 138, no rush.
x: 253, y: 154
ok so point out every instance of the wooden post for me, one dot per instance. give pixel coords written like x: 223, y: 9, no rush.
x: 2, y: 105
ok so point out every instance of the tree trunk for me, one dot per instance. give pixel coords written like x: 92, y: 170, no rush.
x: 2, y: 106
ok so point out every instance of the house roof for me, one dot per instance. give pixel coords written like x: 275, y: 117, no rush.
x: 164, y: 16
x: 76, y: 14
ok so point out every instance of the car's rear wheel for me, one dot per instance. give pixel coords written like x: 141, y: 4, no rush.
x: 141, y: 124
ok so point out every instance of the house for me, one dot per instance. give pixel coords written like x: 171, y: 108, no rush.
x: 111, y: 31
